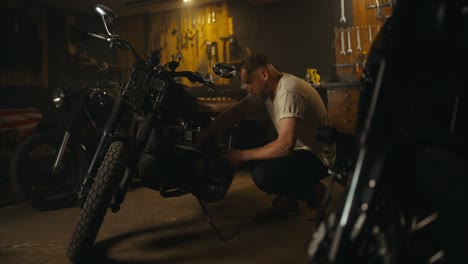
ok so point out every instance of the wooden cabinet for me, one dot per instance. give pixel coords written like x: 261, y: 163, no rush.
x: 342, y: 106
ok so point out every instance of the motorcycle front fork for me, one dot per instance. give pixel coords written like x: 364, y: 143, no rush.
x: 100, y: 149
x: 63, y: 146
x: 142, y: 135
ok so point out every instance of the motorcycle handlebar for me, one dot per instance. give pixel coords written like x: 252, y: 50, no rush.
x: 98, y: 36
x: 114, y: 39
x: 192, y: 76
x: 195, y: 77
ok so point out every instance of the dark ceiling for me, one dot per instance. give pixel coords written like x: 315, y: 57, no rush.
x: 132, y: 7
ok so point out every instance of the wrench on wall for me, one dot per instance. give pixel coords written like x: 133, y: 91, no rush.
x: 342, y: 52
x: 343, y: 18
x: 378, y: 12
x: 349, y: 41
x: 358, y: 39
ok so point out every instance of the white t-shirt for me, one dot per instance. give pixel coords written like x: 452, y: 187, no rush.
x: 296, y: 98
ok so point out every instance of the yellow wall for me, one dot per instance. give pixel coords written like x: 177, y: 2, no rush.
x: 186, y: 33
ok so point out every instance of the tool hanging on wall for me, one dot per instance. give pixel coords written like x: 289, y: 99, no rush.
x: 388, y: 4
x: 235, y: 49
x: 177, y: 31
x: 348, y: 31
x: 189, y: 38
x: 212, y: 52
x: 196, y: 43
x: 343, y: 18
x: 342, y: 52
x: 202, y: 27
x: 358, y: 39
x: 225, y: 41
x: 164, y: 33
x: 378, y: 6
x: 378, y: 11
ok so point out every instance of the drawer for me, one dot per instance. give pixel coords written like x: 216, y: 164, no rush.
x: 342, y: 108
x: 343, y: 121
x: 343, y: 95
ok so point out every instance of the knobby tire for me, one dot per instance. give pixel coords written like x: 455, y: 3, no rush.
x: 97, y: 202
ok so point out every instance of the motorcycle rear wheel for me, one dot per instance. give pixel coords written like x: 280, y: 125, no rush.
x: 221, y: 176
x: 97, y: 202
x: 31, y: 175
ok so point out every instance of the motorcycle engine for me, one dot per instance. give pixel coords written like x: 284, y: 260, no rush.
x: 174, y: 165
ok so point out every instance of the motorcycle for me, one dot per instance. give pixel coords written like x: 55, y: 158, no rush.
x: 46, y: 168
x: 406, y: 199
x: 151, y: 127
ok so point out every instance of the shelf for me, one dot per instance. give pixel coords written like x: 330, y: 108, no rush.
x: 337, y: 85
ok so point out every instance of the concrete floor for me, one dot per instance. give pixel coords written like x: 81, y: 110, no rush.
x: 153, y: 229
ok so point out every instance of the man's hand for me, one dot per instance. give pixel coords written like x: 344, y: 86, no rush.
x: 235, y: 157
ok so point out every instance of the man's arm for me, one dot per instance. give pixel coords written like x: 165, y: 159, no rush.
x: 283, y: 145
x: 242, y: 110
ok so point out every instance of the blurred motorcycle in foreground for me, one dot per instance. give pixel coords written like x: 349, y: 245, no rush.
x: 406, y: 201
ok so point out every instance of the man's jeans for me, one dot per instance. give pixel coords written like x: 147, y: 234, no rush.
x: 293, y: 176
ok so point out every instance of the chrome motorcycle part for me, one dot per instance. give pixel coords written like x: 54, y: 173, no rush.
x: 61, y: 151
x: 58, y: 97
x: 224, y: 70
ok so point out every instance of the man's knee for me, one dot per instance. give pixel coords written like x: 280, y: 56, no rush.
x: 262, y: 180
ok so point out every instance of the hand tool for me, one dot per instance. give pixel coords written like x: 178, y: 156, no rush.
x: 343, y: 18
x: 358, y: 39
x: 349, y: 40
x: 378, y: 12
x: 342, y: 52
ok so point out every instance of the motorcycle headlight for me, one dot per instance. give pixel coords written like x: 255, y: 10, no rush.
x: 58, y: 97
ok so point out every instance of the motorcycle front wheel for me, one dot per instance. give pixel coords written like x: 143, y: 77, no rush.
x: 97, y: 202
x: 31, y: 171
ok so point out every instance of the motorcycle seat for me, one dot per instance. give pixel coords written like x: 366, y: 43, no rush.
x: 215, y: 105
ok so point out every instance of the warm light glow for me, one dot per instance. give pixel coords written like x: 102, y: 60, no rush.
x: 186, y: 1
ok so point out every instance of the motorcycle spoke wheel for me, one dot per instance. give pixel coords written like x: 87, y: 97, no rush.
x: 31, y: 173
x: 97, y: 202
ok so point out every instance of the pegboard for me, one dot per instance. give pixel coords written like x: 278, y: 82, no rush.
x: 352, y: 43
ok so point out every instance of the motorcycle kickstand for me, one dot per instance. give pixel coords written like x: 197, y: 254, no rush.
x: 326, y: 200
x: 210, y: 220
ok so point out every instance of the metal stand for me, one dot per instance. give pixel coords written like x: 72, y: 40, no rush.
x: 326, y: 199
x: 210, y: 220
